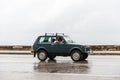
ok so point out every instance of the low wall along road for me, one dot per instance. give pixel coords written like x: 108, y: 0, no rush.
x: 96, y: 49
x: 15, y: 49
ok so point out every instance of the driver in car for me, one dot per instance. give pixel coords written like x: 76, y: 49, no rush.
x: 58, y: 40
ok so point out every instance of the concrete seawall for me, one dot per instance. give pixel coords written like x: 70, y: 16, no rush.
x: 96, y: 49
x: 15, y: 49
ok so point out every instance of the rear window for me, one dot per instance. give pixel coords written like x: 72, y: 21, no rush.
x: 44, y: 39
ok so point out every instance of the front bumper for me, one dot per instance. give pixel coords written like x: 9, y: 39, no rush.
x: 88, y: 49
x: 89, y: 52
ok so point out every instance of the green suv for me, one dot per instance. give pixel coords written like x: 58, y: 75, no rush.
x: 51, y: 45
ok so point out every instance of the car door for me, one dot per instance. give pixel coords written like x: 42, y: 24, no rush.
x: 59, y: 48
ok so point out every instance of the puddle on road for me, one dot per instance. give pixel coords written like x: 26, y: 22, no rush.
x: 82, y: 67
x: 62, y: 67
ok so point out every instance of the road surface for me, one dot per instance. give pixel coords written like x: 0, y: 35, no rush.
x: 25, y: 67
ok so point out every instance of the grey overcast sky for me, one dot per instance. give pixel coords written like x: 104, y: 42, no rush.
x: 86, y: 21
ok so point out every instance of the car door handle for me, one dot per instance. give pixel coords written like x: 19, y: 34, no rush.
x: 52, y: 44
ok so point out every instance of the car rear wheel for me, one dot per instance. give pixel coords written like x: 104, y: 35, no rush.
x: 76, y: 55
x: 42, y: 55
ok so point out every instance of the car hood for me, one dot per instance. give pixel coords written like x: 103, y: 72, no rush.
x: 78, y: 44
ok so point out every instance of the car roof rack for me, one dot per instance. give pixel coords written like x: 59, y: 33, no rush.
x: 49, y: 34
x: 55, y: 34
x: 59, y: 34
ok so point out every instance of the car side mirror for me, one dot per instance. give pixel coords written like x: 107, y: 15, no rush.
x: 64, y: 41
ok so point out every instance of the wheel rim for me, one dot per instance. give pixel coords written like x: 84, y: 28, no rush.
x: 76, y: 56
x: 42, y: 55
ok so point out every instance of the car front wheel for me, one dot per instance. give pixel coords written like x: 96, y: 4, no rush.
x: 85, y: 55
x: 76, y: 55
x: 42, y: 55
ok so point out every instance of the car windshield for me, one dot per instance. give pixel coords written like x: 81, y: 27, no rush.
x: 68, y: 39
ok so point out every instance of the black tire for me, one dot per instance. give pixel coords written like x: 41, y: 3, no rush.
x: 42, y: 55
x: 85, y: 55
x: 76, y: 55
x: 52, y: 57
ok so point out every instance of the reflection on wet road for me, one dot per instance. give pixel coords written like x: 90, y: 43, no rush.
x: 55, y: 67
x: 100, y: 65
x: 27, y: 67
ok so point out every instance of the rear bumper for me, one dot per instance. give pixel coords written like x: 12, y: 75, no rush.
x: 32, y: 52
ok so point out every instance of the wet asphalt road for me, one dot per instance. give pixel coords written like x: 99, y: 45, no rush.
x: 25, y: 67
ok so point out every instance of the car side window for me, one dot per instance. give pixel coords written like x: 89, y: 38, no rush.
x: 58, y: 40
x: 44, y: 39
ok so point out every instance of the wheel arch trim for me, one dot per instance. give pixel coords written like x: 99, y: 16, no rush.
x: 40, y: 48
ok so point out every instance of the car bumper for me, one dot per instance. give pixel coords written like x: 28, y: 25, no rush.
x: 89, y: 52
x: 32, y: 52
